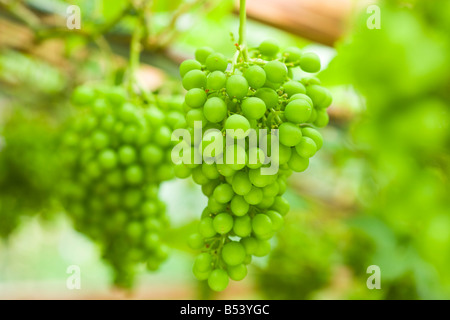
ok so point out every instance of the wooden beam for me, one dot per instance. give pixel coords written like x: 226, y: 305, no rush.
x: 322, y: 21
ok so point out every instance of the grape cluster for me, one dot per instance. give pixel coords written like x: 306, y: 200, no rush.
x: 246, y: 207
x: 116, y: 154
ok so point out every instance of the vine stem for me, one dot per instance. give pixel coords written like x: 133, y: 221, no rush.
x: 243, y: 28
x: 135, y: 52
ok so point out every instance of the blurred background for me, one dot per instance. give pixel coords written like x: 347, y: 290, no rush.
x: 377, y: 194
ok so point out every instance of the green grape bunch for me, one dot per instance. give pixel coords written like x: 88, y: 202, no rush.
x: 257, y: 90
x: 115, y: 154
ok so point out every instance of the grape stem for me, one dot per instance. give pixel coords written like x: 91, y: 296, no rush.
x: 242, y: 29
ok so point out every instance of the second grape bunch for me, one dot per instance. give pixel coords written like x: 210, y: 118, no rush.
x: 256, y: 91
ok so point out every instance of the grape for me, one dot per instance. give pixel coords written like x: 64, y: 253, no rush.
x: 320, y: 96
x: 195, y: 115
x: 290, y: 134
x: 275, y: 71
x: 108, y: 159
x: 223, y: 193
x: 256, y: 76
x: 242, y: 226
x: 152, y: 154
x: 322, y: 119
x: 293, y: 87
x: 206, y: 228
x: 218, y: 280
x: 314, y: 135
x: 310, y: 62
x: 189, y: 65
x: 237, y: 122
x: 215, y: 110
x: 237, y: 87
x: 195, y: 98
x: 269, y: 96
x: 276, y: 218
x: 254, y: 197
x: 216, y: 80
x: 241, y: 183
x: 223, y: 223
x: 244, y: 198
x: 253, y: 108
x: 292, y: 54
x: 203, y: 262
x: 233, y: 253
x: 216, y: 62
x: 237, y: 273
x: 269, y: 48
x: 201, y: 54
x: 262, y: 225
x: 195, y: 241
x: 239, y: 206
x: 306, y: 148
x: 298, y: 111
x: 194, y: 79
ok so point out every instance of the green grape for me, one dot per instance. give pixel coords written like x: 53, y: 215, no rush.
x: 203, y: 262
x: 196, y: 98
x: 256, y: 76
x: 152, y: 154
x: 290, y: 134
x: 298, y: 111
x: 216, y: 80
x: 237, y: 273
x: 134, y: 175
x: 269, y: 96
x: 215, y: 110
x: 276, y: 71
x: 257, y: 158
x: 322, y: 119
x: 223, y: 223
x: 276, y: 218
x: 218, y: 280
x: 239, y: 207
x: 242, y: 226
x: 259, y: 180
x: 241, y: 183
x: 310, y: 62
x: 127, y: 155
x: 189, y: 65
x: 269, y: 48
x: 237, y: 87
x: 108, y: 159
x: 83, y: 95
x: 223, y: 193
x: 254, y: 197
x: 195, y: 115
x: 215, y: 206
x: 210, y: 171
x: 206, y: 228
x: 201, y: 54
x: 233, y: 253
x: 262, y: 248
x: 292, y: 54
x: 314, y: 135
x: 320, y: 96
x: 262, y: 225
x: 293, y: 87
x: 237, y: 122
x: 201, y: 275
x: 195, y: 241
x: 306, y: 148
x: 281, y: 205
x: 216, y: 62
x: 194, y: 79
x: 298, y: 163
x: 253, y: 108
